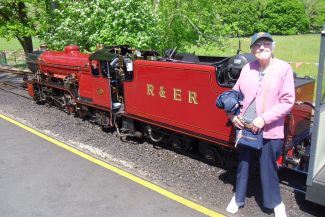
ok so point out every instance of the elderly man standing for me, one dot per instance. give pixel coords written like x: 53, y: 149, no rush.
x: 267, y: 86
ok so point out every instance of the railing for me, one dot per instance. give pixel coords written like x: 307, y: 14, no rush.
x: 3, y: 58
x: 13, y: 58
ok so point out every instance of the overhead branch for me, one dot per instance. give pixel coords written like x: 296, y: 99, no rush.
x: 194, y: 26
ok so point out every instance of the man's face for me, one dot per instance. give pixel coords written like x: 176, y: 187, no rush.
x: 262, y: 49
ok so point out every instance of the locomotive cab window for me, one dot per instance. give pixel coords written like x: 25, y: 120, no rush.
x: 94, y: 69
x: 104, y: 68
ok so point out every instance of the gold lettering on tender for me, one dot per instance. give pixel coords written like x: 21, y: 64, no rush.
x: 177, y: 94
x: 162, y: 92
x: 192, y: 97
x: 150, y: 90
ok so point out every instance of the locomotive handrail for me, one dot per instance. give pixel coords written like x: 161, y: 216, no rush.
x: 221, y: 61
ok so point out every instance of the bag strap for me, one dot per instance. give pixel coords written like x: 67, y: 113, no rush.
x: 266, y: 88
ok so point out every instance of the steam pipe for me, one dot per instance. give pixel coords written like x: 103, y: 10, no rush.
x: 151, y: 136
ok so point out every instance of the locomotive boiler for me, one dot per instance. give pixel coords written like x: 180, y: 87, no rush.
x: 168, y: 99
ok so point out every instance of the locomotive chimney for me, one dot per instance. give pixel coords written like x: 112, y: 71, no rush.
x: 43, y: 47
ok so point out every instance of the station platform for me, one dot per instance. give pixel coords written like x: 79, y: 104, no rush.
x: 40, y: 178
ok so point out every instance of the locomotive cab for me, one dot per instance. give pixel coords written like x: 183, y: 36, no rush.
x: 109, y: 68
x: 101, y: 86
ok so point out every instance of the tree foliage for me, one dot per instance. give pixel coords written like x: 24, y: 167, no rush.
x: 315, y: 10
x: 18, y: 19
x: 192, y: 22
x: 153, y: 24
x: 286, y: 17
x: 240, y: 16
x: 103, y: 21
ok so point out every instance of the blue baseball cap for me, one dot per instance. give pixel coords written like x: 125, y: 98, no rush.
x: 259, y: 35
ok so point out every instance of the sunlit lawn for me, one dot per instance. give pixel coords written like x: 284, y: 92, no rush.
x: 14, y: 51
x: 302, y: 51
x: 14, y: 45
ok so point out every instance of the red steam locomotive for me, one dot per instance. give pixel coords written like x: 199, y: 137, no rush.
x: 168, y: 99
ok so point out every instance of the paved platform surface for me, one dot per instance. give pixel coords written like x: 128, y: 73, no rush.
x: 38, y: 178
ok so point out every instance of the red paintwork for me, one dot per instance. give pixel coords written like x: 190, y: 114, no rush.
x: 203, y: 119
x: 85, y: 85
x: 30, y: 89
x: 300, y: 120
x: 301, y: 115
x: 62, y: 64
x: 96, y: 88
x: 101, y: 92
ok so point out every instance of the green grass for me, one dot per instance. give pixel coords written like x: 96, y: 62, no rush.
x: 301, y: 51
x: 14, y: 45
x: 293, y: 49
x: 14, y: 51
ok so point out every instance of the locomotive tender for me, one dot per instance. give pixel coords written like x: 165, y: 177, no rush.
x: 168, y: 99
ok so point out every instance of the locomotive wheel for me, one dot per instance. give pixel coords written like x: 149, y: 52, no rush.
x: 180, y: 143
x: 210, y: 153
x: 175, y: 142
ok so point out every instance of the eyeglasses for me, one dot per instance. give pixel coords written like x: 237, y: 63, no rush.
x: 264, y: 43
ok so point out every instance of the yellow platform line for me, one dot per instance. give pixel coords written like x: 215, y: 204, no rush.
x: 121, y: 172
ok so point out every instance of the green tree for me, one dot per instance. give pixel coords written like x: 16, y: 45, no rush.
x: 103, y: 21
x: 315, y: 10
x: 191, y: 22
x: 285, y: 17
x: 319, y: 21
x: 241, y: 15
x: 18, y: 19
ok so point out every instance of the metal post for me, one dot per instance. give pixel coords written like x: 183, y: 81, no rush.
x: 3, y: 59
x: 15, y: 58
x: 317, y: 109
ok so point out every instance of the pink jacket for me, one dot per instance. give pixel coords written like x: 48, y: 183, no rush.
x: 280, y: 97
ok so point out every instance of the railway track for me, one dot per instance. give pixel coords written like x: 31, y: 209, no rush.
x: 4, y: 86
x: 14, y: 70
x: 11, y: 80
